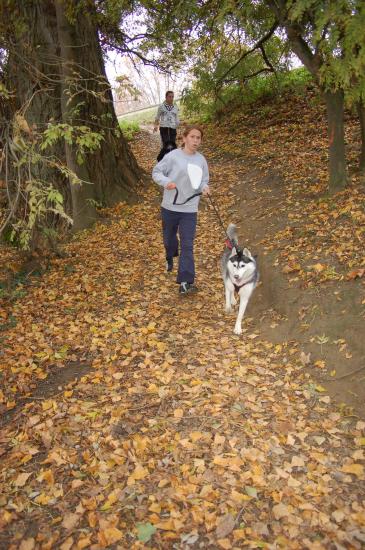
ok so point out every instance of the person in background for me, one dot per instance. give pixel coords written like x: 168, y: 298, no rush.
x: 184, y: 176
x: 167, y: 117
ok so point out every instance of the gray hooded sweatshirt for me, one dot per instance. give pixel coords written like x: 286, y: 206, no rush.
x: 168, y: 116
x: 180, y: 168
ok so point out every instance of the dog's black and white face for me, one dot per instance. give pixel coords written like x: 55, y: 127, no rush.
x: 241, y: 265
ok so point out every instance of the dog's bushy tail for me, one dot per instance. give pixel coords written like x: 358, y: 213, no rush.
x: 232, y: 234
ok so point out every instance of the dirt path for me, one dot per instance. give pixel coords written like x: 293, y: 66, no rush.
x: 181, y: 435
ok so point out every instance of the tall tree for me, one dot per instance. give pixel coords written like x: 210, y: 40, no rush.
x: 328, y: 37
x: 87, y: 99
x: 54, y: 65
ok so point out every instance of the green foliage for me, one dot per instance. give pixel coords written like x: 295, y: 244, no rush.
x: 129, y: 128
x: 81, y: 137
x: 200, y: 101
x: 4, y: 92
x: 145, y: 531
x: 42, y: 200
x: 334, y: 30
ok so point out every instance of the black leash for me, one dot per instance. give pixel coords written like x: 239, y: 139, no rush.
x: 187, y: 200
x: 232, y: 244
x: 220, y: 220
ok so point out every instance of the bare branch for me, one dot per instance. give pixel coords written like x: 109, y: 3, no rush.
x: 258, y: 45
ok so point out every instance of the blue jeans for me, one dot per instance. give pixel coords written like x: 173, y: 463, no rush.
x: 185, y: 223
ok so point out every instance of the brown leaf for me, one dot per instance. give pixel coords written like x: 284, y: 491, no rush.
x: 355, y: 274
x: 27, y: 544
x: 22, y: 479
x: 70, y: 520
x: 225, y: 526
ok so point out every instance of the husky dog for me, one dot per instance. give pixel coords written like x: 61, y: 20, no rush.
x: 240, y: 275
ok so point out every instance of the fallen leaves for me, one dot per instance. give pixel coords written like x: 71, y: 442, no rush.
x: 139, y: 473
x: 22, y: 479
x: 174, y: 436
x: 354, y: 468
x: 355, y: 274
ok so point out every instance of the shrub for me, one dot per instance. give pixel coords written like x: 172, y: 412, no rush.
x: 129, y: 128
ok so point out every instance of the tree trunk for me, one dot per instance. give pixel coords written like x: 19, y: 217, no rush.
x: 112, y: 170
x: 33, y: 73
x: 336, y: 136
x: 334, y: 100
x: 84, y: 195
x: 361, y: 112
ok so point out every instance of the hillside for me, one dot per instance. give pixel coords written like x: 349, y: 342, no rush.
x: 310, y: 244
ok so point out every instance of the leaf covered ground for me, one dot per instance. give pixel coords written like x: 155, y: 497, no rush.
x: 174, y: 433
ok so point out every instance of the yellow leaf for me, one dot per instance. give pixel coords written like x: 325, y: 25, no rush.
x: 109, y: 536
x: 83, y: 543
x: 76, y: 483
x: 238, y: 497
x: 46, y: 476
x: 161, y: 346
x: 219, y: 439
x: 318, y: 267
x: 54, y: 457
x: 356, y: 469
x: 292, y: 482
x: 46, y: 405
x: 27, y: 544
x: 280, y: 511
x: 195, y: 436
x: 67, y: 544
x: 224, y: 543
x: 163, y: 483
x: 155, y: 507
x: 112, y: 499
x: 167, y: 525
x: 70, y: 520
x: 178, y: 413
x: 138, y: 474
x: 22, y: 479
x: 42, y: 499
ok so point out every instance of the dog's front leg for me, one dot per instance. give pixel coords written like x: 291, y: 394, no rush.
x: 228, y: 299
x: 245, y: 293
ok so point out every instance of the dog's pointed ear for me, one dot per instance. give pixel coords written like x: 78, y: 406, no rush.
x: 247, y: 253
x: 233, y: 251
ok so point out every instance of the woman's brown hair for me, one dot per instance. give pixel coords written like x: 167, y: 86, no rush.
x: 188, y: 129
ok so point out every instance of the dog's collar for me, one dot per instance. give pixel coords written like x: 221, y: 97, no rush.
x: 229, y: 244
x: 238, y: 287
